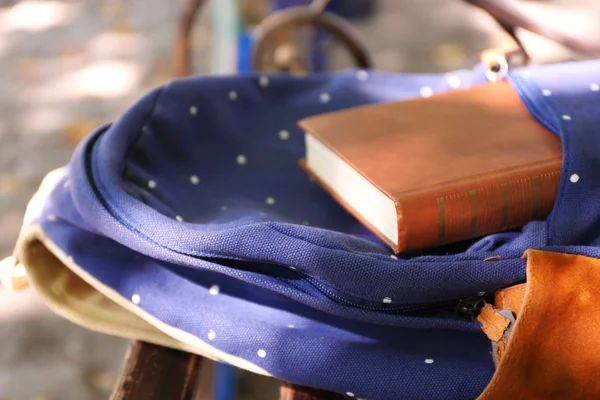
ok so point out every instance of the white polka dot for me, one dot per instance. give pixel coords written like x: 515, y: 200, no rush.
x: 480, y: 294
x: 233, y: 95
x: 546, y: 92
x: 211, y: 335
x: 151, y: 184
x: 261, y: 353
x: 426, y: 91
x: 291, y: 326
x: 394, y: 257
x: 387, y: 300
x: 350, y: 394
x: 284, y: 135
x: 566, y: 117
x: 193, y: 110
x: 454, y: 81
x: 270, y: 201
x: 362, y: 75
x: 178, y: 218
x: 52, y: 217
x: 194, y: 179
x: 214, y: 290
x: 325, y: 98
x: 263, y: 81
x: 429, y: 361
x: 241, y: 159
x: 136, y: 299
x: 574, y: 178
x: 224, y: 208
x: 594, y: 87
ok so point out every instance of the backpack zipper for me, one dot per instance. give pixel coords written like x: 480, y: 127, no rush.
x: 405, y: 309
x: 471, y: 307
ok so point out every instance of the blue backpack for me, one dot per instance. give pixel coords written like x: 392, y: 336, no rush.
x: 192, y: 222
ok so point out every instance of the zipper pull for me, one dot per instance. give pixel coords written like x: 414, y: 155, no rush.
x: 471, y: 307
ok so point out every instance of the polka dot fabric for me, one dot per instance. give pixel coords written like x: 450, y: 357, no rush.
x: 193, y: 208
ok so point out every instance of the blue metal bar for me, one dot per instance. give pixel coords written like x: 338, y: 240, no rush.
x: 225, y: 382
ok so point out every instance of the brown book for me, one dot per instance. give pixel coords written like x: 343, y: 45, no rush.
x: 432, y: 171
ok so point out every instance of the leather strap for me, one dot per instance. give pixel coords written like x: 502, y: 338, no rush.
x: 552, y: 351
x: 510, y: 18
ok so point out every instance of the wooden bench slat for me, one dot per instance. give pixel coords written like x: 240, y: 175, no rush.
x: 152, y: 372
x: 289, y: 391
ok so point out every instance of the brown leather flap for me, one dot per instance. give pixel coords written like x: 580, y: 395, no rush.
x: 554, y: 348
x: 511, y: 298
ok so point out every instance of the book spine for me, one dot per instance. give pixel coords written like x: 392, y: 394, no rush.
x: 468, y: 211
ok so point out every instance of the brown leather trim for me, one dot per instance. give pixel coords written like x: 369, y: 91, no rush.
x: 511, y: 298
x: 554, y: 349
x: 493, y: 324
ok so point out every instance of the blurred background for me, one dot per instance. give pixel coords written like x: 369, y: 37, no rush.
x: 69, y: 66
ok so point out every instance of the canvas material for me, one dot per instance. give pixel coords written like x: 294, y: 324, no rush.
x: 74, y: 294
x: 259, y: 263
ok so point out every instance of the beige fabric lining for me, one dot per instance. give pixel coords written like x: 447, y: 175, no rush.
x: 75, y: 295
